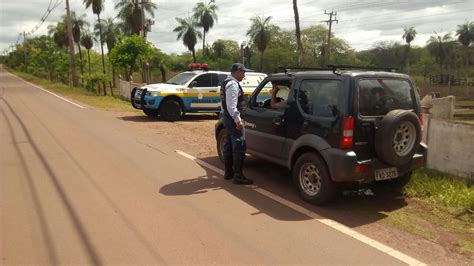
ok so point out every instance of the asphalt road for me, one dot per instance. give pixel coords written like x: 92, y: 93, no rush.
x: 78, y: 187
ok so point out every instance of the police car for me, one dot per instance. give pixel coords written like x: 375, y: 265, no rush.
x: 196, y: 90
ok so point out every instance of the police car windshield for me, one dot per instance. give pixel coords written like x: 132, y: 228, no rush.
x: 181, y: 78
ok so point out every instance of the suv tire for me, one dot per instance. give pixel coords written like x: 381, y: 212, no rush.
x: 170, y: 110
x: 312, y: 179
x: 220, y: 140
x: 398, y: 137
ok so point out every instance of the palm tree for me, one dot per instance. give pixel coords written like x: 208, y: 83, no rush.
x: 436, y: 45
x: 130, y: 12
x: 78, y: 24
x: 298, y: 33
x: 187, y: 31
x: 59, y: 34
x: 409, y: 36
x: 259, y: 32
x: 87, y: 42
x: 97, y: 7
x: 465, y: 33
x: 111, y: 31
x: 205, y: 15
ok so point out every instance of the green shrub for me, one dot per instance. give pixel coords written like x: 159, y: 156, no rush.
x: 94, y: 81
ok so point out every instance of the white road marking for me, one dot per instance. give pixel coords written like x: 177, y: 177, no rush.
x: 62, y: 98
x: 331, y: 223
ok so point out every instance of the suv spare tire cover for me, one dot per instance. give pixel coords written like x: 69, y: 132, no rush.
x: 398, y: 137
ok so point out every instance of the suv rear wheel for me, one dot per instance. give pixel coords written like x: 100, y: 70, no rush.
x: 398, y: 137
x: 312, y: 179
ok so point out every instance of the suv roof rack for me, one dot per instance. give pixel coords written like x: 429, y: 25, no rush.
x: 335, y: 68
x: 287, y: 69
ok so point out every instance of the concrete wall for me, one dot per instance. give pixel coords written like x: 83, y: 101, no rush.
x: 443, y: 108
x: 126, y: 87
x: 450, y: 147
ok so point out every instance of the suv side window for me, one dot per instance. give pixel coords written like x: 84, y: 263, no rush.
x: 263, y: 97
x: 204, y: 80
x: 380, y: 96
x: 319, y: 97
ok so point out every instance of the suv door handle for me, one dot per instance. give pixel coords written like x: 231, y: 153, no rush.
x: 277, y: 121
x: 212, y: 91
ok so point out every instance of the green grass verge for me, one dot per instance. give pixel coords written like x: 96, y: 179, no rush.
x: 442, y: 191
x: 108, y: 103
x: 441, y: 209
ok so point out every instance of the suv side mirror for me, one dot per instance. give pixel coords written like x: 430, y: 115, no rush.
x: 193, y: 84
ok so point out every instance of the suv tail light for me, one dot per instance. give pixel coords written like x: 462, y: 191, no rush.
x: 347, y: 132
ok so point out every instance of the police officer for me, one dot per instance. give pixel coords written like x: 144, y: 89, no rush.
x: 232, y: 97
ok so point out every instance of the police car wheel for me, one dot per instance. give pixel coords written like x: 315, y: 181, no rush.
x: 170, y: 110
x: 150, y: 112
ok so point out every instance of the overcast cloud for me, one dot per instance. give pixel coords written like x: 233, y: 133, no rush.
x: 361, y: 23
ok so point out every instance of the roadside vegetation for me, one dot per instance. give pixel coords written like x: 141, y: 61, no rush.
x: 440, y: 209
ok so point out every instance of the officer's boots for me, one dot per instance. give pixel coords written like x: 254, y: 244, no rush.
x: 229, y: 172
x: 239, y: 177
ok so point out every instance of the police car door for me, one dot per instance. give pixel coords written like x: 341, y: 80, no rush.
x: 204, y: 92
x: 265, y: 129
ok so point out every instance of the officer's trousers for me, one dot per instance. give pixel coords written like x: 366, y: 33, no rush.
x: 234, y: 144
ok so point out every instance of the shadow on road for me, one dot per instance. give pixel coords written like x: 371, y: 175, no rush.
x: 353, y: 208
x: 187, y: 117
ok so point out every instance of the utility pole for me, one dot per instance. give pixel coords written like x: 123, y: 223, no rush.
x: 143, y: 33
x: 72, y: 64
x: 24, y: 51
x: 327, y: 53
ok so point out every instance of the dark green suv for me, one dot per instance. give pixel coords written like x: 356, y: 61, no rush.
x: 336, y: 126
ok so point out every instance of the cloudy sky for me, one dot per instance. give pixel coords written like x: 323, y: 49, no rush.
x: 360, y: 23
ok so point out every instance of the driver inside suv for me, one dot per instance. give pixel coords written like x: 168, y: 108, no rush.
x: 279, y: 93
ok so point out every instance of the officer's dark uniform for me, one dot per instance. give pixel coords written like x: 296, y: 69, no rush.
x: 234, y: 144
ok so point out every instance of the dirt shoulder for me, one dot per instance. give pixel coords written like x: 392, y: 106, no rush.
x: 408, y: 225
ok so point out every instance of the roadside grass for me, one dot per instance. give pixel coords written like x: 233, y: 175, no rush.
x: 440, y: 209
x: 108, y: 103
x: 442, y: 191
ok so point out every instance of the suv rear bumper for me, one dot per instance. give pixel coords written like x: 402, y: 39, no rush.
x: 344, y: 166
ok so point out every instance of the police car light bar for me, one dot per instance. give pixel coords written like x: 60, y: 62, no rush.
x: 198, y: 66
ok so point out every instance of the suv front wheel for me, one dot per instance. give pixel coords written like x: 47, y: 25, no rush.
x: 312, y: 179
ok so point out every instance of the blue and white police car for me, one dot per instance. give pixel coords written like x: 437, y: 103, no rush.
x: 196, y: 90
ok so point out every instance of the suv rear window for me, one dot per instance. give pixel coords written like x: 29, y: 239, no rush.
x: 380, y: 96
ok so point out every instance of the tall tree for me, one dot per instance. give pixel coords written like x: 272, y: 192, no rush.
x: 87, y: 41
x: 437, y: 45
x: 408, y: 36
x: 131, y: 53
x: 465, y: 33
x: 97, y: 7
x: 259, y: 33
x: 205, y: 15
x: 78, y: 24
x: 188, y: 33
x: 298, y: 33
x: 110, y: 31
x: 59, y: 34
x: 130, y: 12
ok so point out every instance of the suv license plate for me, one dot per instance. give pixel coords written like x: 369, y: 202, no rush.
x: 386, y: 173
